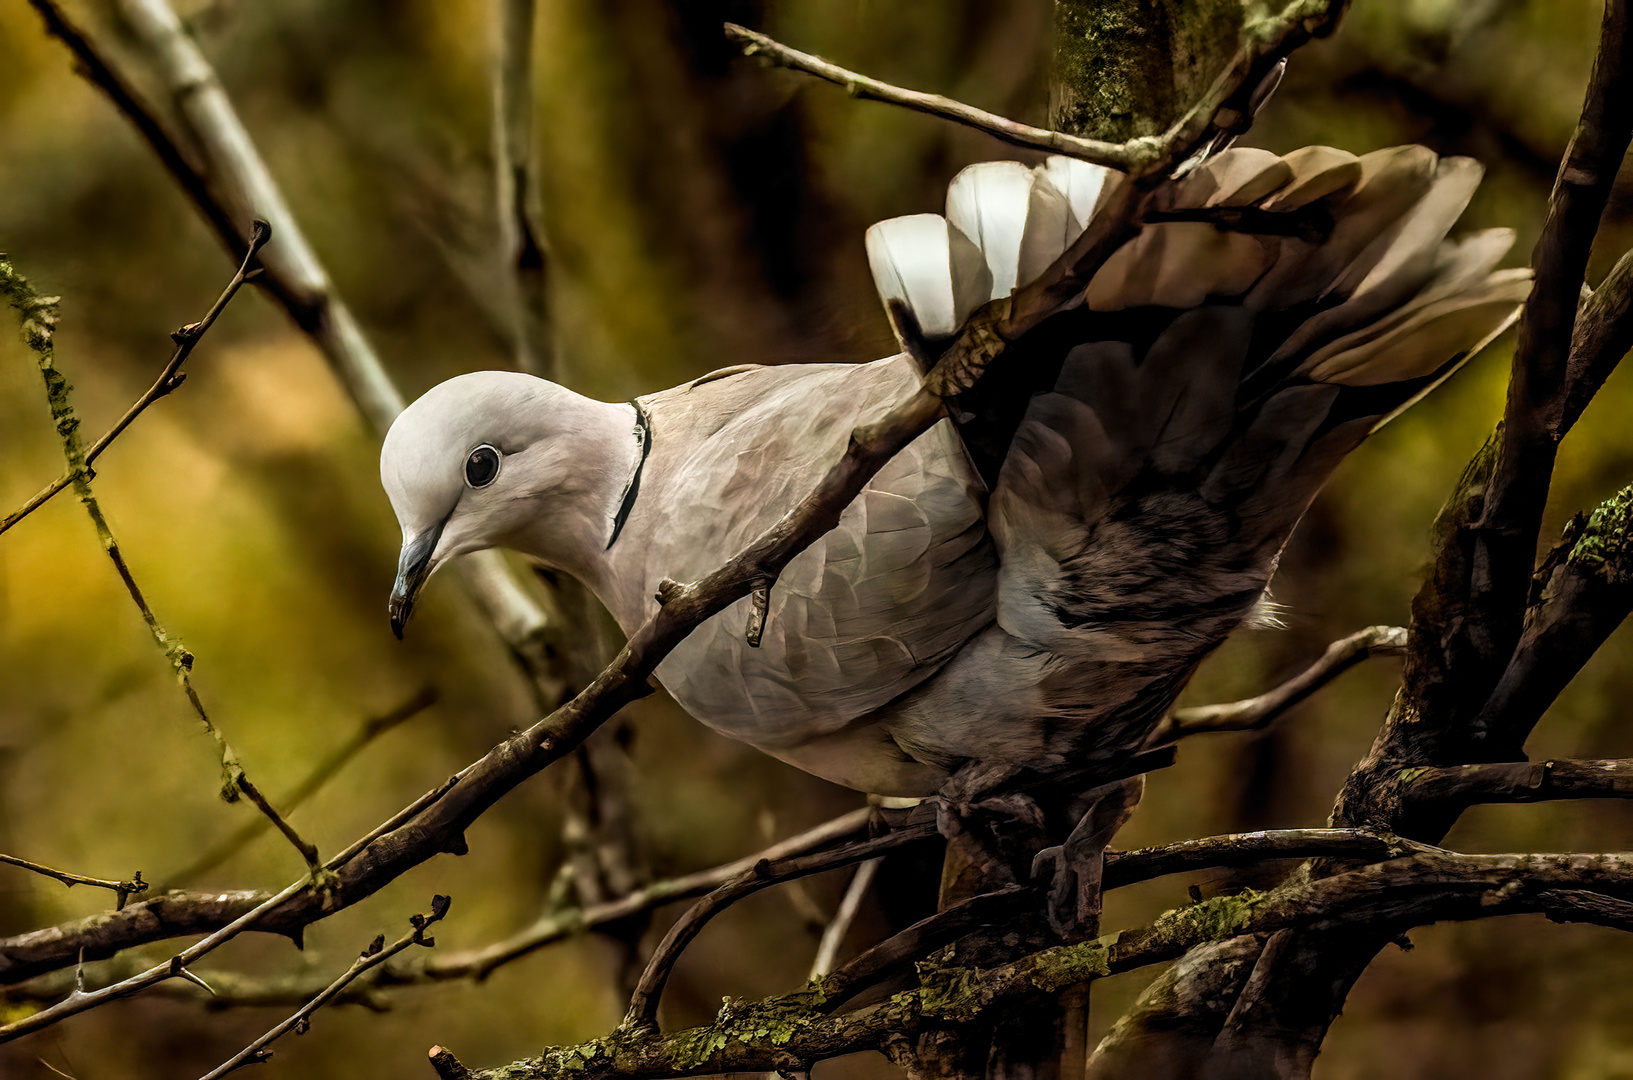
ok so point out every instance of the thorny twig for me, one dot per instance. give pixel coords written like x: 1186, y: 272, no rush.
x: 555, y: 925
x: 376, y: 954
x: 123, y: 889
x: 1114, y: 155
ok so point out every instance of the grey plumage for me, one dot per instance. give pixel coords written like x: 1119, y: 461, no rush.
x: 1031, y: 587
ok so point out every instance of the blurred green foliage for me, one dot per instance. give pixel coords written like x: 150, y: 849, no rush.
x: 701, y: 211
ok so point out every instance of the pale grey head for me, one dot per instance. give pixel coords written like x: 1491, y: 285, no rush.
x: 497, y: 459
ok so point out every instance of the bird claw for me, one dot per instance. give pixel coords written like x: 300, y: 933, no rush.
x: 1073, y: 890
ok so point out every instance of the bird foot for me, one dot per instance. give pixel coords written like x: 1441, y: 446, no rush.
x: 1072, y: 879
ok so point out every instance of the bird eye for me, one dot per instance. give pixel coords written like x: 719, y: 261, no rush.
x: 482, y: 466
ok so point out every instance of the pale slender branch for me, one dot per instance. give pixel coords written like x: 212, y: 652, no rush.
x: 376, y: 954
x: 833, y: 935
x: 521, y: 252
x: 123, y: 889
x: 321, y: 774
x: 187, y: 338
x: 1122, y: 156
x: 1255, y: 713
x: 234, y: 185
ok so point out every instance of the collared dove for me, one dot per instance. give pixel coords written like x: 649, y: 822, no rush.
x: 1030, y: 583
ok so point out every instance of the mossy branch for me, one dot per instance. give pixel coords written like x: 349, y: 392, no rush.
x: 39, y: 316
x: 792, y: 1031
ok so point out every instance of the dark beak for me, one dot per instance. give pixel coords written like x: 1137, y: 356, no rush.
x: 413, y: 567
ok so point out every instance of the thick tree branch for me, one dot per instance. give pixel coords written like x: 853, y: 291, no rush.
x: 1459, y: 786
x: 1586, y: 592
x: 1603, y: 335
x: 1425, y: 887
x: 1504, y: 534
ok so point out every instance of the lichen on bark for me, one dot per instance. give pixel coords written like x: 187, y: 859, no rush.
x: 1128, y: 68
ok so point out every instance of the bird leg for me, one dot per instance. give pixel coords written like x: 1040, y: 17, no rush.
x: 1074, y: 869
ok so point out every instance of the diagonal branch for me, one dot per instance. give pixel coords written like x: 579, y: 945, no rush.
x: 643, y: 1005
x: 378, y: 953
x: 1122, y: 156
x: 169, y: 379
x: 1503, y: 535
x: 1255, y: 713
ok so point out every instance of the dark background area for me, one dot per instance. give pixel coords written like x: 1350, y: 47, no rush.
x: 701, y: 211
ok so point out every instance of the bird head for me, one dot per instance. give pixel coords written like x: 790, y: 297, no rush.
x: 466, y: 466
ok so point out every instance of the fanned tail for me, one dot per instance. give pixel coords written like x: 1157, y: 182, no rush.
x: 1150, y: 446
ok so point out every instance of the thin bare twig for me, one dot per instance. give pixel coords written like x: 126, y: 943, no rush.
x: 643, y: 1004
x: 375, y: 955
x: 169, y: 379
x: 1272, y: 38
x: 833, y: 935
x: 176, y: 966
x: 555, y: 925
x: 39, y: 321
x: 1114, y: 155
x: 1254, y: 713
x: 321, y: 774
x: 123, y: 889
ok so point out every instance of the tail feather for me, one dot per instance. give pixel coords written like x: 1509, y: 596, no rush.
x: 932, y: 267
x: 1150, y: 448
x: 990, y: 203
x: 1435, y: 334
x: 1236, y: 177
x: 1317, y: 172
